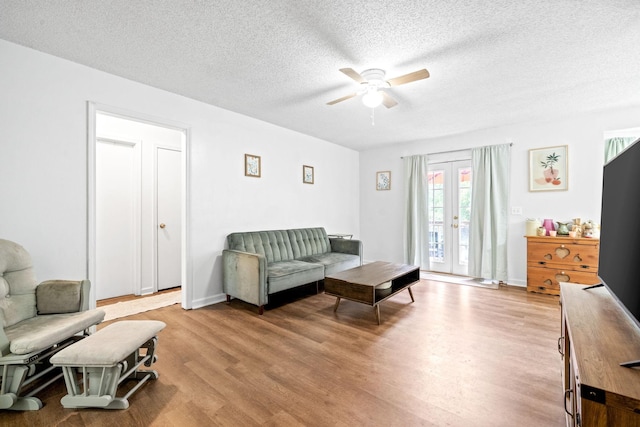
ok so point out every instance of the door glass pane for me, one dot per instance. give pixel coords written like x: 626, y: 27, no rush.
x: 436, y: 215
x: 464, y: 213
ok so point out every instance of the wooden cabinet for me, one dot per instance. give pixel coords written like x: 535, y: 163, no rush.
x: 551, y: 260
x: 596, y: 336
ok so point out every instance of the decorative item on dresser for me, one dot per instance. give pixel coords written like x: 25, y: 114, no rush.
x: 551, y: 260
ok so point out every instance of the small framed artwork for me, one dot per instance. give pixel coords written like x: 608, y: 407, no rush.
x: 252, y: 165
x: 548, y: 169
x: 383, y: 180
x: 307, y: 174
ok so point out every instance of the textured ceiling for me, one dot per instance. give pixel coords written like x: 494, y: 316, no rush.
x: 492, y: 62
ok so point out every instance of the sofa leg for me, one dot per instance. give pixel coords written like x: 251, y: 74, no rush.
x: 261, y: 310
x: 228, y: 298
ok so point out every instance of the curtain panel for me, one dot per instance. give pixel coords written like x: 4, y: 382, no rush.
x: 613, y: 146
x: 416, y: 224
x: 489, y: 207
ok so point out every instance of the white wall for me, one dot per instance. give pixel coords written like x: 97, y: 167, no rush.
x: 43, y: 168
x: 381, y: 222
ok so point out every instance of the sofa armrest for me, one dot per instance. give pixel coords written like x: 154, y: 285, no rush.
x: 346, y: 246
x: 244, y: 276
x: 62, y: 296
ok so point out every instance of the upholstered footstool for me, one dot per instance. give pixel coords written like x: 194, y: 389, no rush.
x: 94, y: 367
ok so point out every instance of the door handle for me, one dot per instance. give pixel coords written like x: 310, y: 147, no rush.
x: 162, y: 225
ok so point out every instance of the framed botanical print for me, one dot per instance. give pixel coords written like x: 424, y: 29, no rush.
x: 383, y: 180
x: 548, y: 169
x: 252, y: 165
x: 307, y: 174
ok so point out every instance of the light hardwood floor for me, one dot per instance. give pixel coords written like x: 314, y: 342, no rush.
x: 458, y: 356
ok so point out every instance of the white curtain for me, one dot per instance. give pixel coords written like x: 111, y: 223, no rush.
x: 613, y: 146
x: 489, y: 206
x: 416, y: 229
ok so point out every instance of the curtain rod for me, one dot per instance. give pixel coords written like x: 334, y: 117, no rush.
x: 463, y: 149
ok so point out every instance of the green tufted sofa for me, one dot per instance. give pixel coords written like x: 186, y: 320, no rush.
x: 260, y: 263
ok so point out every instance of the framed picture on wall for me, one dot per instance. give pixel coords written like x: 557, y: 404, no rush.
x: 307, y: 174
x: 548, y: 169
x: 383, y: 180
x: 252, y: 165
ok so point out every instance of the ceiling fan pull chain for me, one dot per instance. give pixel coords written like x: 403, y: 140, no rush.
x: 373, y: 122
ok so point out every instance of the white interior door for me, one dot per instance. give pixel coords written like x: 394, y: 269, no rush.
x: 117, y: 218
x: 168, y: 218
x: 449, y: 216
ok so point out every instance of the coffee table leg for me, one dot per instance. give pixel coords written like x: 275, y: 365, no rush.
x: 335, y: 307
x: 411, y: 293
x: 377, y: 308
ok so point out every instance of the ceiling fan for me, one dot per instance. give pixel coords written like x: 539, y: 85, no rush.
x: 372, y: 84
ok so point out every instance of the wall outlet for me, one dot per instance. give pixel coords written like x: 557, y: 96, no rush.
x: 516, y: 210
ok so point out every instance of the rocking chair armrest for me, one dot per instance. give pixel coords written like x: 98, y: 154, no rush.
x: 4, y: 343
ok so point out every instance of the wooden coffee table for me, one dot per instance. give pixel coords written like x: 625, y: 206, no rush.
x: 359, y: 284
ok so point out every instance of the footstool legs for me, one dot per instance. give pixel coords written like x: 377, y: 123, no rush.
x: 98, y: 385
x: 96, y: 366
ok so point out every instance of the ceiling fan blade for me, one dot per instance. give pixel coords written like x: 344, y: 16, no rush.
x: 353, y: 74
x: 408, y: 78
x: 344, y: 98
x: 387, y: 100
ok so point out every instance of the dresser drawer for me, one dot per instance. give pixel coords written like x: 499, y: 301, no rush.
x: 563, y: 266
x: 577, y: 255
x: 547, y: 280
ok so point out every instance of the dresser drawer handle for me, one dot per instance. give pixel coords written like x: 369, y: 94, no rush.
x: 567, y: 392
x: 560, y: 340
x: 542, y: 262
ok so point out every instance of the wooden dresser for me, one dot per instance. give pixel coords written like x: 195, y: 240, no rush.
x: 551, y: 260
x: 596, y: 336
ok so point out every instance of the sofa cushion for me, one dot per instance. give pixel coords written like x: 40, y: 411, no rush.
x: 281, y: 245
x: 274, y: 244
x: 41, y: 332
x: 287, y: 274
x: 334, y: 262
x: 309, y: 241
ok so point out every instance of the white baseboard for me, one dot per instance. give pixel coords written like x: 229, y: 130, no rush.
x: 203, y: 302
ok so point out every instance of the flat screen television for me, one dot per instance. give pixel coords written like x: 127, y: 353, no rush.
x: 619, y: 260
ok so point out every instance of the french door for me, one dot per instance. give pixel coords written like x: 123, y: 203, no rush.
x: 449, y: 216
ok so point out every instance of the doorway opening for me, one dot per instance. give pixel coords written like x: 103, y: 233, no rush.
x: 137, y: 237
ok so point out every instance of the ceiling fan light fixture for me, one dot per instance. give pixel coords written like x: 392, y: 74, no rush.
x: 372, y: 98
